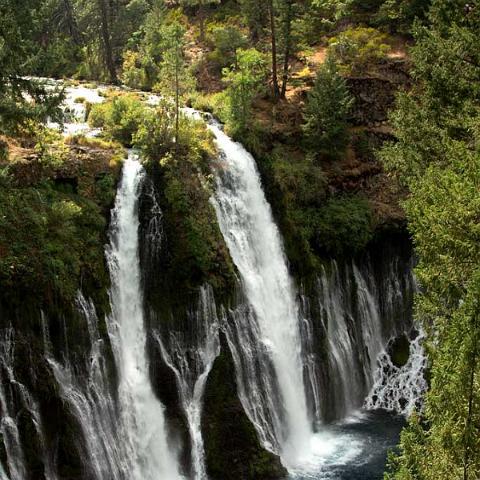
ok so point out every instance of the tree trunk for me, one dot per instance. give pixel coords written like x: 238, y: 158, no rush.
x: 288, y: 46
x: 107, y: 46
x: 276, y: 91
x: 71, y: 22
x: 177, y: 95
x: 473, y: 364
x: 201, y: 19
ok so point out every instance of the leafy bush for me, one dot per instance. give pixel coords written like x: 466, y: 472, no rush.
x: 326, y: 111
x: 358, y: 49
x: 155, y: 137
x: 133, y: 73
x: 301, y: 181
x: 48, y: 240
x: 50, y: 146
x: 226, y: 40
x: 343, y: 226
x: 120, y: 117
x: 198, y: 253
x: 245, y: 81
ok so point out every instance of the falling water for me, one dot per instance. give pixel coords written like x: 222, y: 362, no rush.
x: 8, y: 425
x: 256, y: 248
x: 190, y: 355
x: 399, y: 389
x: 143, y: 414
x: 359, y: 314
x: 90, y: 401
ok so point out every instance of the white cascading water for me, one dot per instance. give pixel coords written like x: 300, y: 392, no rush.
x: 8, y: 425
x: 255, y: 245
x: 142, y: 412
x: 89, y: 400
x: 191, y: 359
x: 400, y: 389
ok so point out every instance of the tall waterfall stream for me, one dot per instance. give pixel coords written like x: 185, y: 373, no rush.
x: 327, y: 417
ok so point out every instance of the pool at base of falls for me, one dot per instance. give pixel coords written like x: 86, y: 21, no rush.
x: 354, y: 449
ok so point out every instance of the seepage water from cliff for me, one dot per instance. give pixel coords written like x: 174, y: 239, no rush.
x: 289, y: 392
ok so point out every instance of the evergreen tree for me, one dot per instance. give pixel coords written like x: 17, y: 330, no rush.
x: 326, y: 112
x: 18, y: 49
x: 244, y: 83
x: 436, y: 156
x: 175, y: 79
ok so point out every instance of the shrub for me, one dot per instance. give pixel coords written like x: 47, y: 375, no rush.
x: 244, y: 81
x: 226, y: 40
x: 50, y: 146
x: 343, y: 226
x: 358, y: 49
x: 326, y: 112
x: 48, y: 240
x: 301, y: 181
x: 120, y: 117
x: 133, y: 73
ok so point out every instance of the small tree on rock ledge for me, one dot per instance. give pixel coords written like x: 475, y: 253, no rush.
x: 326, y: 112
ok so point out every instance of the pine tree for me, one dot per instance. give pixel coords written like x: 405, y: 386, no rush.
x: 326, y: 112
x: 175, y: 78
x: 436, y: 156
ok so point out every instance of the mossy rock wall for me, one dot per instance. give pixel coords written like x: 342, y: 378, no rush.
x: 232, y: 448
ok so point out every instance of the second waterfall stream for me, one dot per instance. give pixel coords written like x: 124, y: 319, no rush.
x: 272, y: 389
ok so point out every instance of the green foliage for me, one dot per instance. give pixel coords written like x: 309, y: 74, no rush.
x: 326, y: 112
x: 226, y: 40
x: 343, y: 226
x: 245, y: 81
x: 49, y: 241
x: 399, y: 15
x: 198, y: 252
x: 133, y: 73
x: 18, y: 22
x: 356, y: 50
x: 437, y: 157
x: 120, y: 117
x: 301, y: 180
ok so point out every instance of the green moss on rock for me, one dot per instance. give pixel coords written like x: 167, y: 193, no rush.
x: 232, y: 448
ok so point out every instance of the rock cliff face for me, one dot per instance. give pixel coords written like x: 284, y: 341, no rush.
x: 178, y: 316
x: 232, y: 448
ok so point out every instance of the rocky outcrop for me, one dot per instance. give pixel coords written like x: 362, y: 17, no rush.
x: 232, y: 448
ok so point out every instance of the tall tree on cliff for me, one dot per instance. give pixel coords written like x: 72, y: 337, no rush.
x: 437, y: 125
x: 107, y: 40
x: 281, y: 17
x: 287, y: 12
x: 273, y: 41
x: 174, y: 78
x: 18, y: 30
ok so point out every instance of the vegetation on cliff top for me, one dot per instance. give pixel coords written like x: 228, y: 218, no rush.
x: 436, y: 155
x: 53, y: 219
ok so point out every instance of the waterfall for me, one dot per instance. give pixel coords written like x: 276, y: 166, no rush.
x: 90, y: 401
x: 359, y: 311
x: 400, y: 389
x: 8, y: 425
x: 190, y: 355
x: 142, y: 412
x: 268, y: 340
